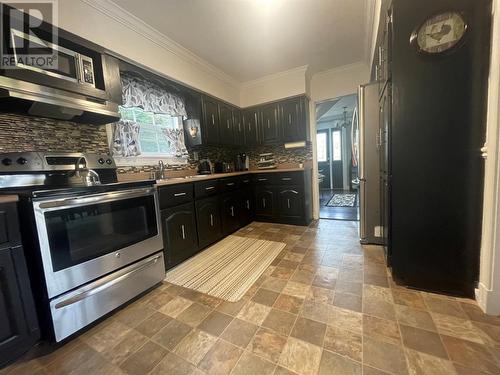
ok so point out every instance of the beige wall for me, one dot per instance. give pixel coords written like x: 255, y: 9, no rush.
x: 277, y: 86
x: 104, y: 24
x: 340, y: 81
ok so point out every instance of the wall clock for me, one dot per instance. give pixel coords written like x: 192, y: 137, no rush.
x: 440, y: 33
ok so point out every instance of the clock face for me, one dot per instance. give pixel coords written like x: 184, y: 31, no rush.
x: 441, y: 32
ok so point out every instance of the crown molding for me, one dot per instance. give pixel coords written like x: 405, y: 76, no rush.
x: 343, y: 68
x: 125, y: 18
x: 298, y: 70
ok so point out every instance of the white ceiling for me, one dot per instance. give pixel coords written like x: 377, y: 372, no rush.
x: 249, y: 39
x: 333, y: 109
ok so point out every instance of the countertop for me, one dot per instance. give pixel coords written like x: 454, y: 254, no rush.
x: 193, y: 178
x: 8, y: 198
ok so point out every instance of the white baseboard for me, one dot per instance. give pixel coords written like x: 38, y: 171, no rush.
x: 488, y: 300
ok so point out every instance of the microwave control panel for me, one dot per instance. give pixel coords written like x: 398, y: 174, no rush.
x: 87, y: 70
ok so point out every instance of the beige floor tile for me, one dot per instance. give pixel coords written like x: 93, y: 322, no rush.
x: 172, y: 334
x: 444, y: 306
x: 457, y: 327
x: 133, y: 314
x: 423, y: 341
x: 288, y: 303
x: 280, y: 321
x: 415, y: 318
x: 173, y: 365
x: 319, y: 312
x: 425, y: 364
x: 153, y: 324
x: 300, y: 357
x: 344, y: 342
x: 239, y: 332
x: 384, y: 356
x: 254, y: 312
x: 215, y: 323
x: 221, y: 358
x: 194, y: 314
x: 265, y: 297
x: 283, y: 273
x: 303, y: 276
x: 267, y: 344
x: 274, y: 284
x: 145, y: 359
x: 348, y: 301
x: 321, y: 295
x: 309, y: 331
x: 409, y: 298
x: 195, y: 346
x: 130, y: 343
x: 250, y: 364
x: 176, y: 306
x: 349, y: 287
x: 295, y: 289
x: 334, y: 364
x: 379, y: 308
x: 106, y: 336
x: 232, y: 308
x: 345, y: 319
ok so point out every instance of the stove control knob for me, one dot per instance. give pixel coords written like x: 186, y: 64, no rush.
x: 22, y: 161
x: 109, y: 161
x: 100, y: 161
x: 7, y: 161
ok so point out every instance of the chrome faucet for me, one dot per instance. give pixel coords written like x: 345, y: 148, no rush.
x: 161, y: 170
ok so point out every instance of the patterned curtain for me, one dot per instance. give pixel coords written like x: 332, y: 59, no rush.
x: 139, y: 93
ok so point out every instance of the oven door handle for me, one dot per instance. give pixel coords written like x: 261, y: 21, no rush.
x: 106, y: 283
x: 96, y: 198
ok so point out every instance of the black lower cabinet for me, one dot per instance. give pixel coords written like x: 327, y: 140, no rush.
x: 247, y: 210
x: 180, y: 237
x: 19, y: 329
x: 264, y: 202
x: 291, y: 202
x: 230, y: 205
x: 208, y: 221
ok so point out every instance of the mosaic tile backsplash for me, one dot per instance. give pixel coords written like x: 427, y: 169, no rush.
x: 26, y: 133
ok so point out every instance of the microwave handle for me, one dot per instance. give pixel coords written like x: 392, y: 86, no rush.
x: 79, y: 68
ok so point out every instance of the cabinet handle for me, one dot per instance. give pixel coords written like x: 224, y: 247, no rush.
x: 290, y: 119
x: 268, y: 124
x: 288, y: 202
x: 213, y: 119
x: 246, y: 181
x: 210, y: 188
x: 262, y: 179
x: 286, y: 178
x: 179, y: 194
x: 211, y: 220
x: 230, y: 184
x: 263, y: 202
x: 232, y: 211
x: 227, y: 124
x: 239, y: 126
x: 248, y: 204
x: 183, y: 230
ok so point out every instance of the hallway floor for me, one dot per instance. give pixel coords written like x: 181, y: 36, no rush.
x: 337, y: 213
x: 325, y: 306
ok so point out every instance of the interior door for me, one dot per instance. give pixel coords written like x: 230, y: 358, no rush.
x: 337, y: 165
x: 324, y: 168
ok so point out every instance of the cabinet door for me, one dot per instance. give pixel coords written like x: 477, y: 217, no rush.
x: 239, y: 128
x: 208, y: 221
x: 291, y: 201
x: 230, y: 213
x: 270, y: 129
x: 210, y: 130
x: 247, y: 207
x: 226, y: 135
x: 18, y: 326
x: 264, y: 201
x: 180, y: 238
x: 251, y: 123
x: 293, y: 121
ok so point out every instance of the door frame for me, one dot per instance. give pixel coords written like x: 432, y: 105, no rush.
x: 328, y: 153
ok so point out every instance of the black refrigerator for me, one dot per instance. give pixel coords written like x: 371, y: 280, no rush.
x: 439, y: 63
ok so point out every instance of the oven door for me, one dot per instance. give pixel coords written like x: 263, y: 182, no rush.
x: 83, y: 238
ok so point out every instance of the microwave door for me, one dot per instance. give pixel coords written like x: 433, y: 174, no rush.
x: 65, y: 64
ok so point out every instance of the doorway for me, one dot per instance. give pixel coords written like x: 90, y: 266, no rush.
x: 336, y: 141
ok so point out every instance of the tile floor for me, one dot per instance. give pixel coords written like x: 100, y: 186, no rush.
x: 325, y: 306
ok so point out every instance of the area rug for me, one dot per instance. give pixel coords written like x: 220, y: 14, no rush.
x: 342, y: 200
x: 227, y: 269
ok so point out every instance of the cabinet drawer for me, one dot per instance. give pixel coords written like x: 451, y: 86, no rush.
x: 289, y: 178
x: 245, y: 181
x: 204, y: 189
x: 174, y: 195
x: 262, y: 179
x: 228, y: 184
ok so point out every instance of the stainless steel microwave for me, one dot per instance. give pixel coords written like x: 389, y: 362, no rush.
x: 70, y: 65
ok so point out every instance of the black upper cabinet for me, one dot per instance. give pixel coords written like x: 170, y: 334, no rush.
x: 18, y: 324
x: 208, y: 221
x: 251, y: 124
x: 180, y: 238
x: 294, y: 120
x: 239, y: 128
x: 210, y: 128
x: 226, y: 134
x: 270, y: 124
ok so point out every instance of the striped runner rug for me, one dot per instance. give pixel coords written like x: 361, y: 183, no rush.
x: 227, y: 269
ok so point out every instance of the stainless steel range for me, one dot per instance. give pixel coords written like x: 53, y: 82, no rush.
x: 92, y: 243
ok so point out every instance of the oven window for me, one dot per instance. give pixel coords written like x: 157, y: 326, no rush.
x: 79, y: 234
